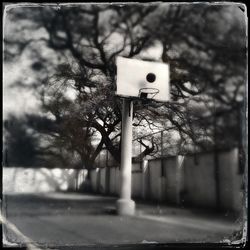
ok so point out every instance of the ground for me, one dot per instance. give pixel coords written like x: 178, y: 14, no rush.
x: 71, y: 219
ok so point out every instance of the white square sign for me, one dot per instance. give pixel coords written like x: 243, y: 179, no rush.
x: 142, y: 79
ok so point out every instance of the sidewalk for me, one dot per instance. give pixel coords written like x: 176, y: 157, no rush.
x: 78, y: 219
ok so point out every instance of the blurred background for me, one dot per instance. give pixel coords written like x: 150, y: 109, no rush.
x: 62, y: 120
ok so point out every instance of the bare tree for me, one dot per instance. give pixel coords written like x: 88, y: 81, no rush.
x: 204, y: 45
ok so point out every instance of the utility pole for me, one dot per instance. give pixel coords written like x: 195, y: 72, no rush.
x: 125, y: 205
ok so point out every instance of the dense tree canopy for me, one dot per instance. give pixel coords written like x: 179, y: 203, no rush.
x: 72, y: 49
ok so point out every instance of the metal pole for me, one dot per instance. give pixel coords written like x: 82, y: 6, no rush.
x: 126, y: 206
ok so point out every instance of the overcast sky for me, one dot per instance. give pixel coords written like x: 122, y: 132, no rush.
x: 22, y: 100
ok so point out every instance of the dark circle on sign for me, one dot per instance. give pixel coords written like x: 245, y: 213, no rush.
x: 151, y: 77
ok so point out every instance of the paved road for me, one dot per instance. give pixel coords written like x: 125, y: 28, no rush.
x: 58, y: 219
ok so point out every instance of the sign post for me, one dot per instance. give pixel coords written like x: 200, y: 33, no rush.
x: 142, y: 80
x: 126, y: 206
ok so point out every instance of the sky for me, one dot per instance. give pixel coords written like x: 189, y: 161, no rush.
x: 19, y: 100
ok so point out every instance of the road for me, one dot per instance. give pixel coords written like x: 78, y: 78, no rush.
x: 59, y: 219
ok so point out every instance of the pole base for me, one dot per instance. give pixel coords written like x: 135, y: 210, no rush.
x: 125, y: 207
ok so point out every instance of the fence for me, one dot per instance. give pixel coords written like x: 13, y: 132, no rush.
x: 180, y: 180
x: 164, y: 146
x: 36, y: 180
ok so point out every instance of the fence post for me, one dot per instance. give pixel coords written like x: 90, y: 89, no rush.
x: 107, y: 175
x: 162, y: 179
x: 179, y: 177
x: 144, y: 178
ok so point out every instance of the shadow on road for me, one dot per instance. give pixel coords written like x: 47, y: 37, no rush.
x: 72, y: 218
x: 57, y: 203
x: 82, y: 203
